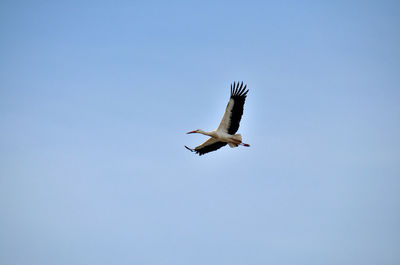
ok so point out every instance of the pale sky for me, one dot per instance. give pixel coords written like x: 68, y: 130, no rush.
x: 96, y: 98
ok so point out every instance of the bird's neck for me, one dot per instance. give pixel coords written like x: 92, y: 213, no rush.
x: 206, y: 133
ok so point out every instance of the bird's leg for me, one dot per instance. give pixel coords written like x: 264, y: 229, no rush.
x: 237, y: 142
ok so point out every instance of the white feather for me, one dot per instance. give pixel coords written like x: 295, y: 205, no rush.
x: 226, y: 119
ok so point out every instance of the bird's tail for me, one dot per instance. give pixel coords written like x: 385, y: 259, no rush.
x: 237, y: 137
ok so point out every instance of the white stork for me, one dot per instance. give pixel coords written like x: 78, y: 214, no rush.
x: 225, y: 133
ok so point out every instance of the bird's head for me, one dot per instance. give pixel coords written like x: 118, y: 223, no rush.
x: 195, y: 131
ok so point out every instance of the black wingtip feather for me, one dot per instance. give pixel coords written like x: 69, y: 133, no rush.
x: 238, y: 89
x: 240, y: 92
x: 190, y: 149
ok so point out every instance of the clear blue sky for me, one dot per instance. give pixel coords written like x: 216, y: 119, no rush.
x: 96, y: 98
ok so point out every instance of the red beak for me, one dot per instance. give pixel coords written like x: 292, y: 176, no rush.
x: 191, y: 132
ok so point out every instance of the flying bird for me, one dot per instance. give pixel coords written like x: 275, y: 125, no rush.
x: 225, y: 133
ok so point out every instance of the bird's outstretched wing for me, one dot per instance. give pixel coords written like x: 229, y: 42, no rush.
x: 208, y: 146
x: 234, y: 110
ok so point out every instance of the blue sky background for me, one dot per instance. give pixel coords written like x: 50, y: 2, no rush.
x: 96, y: 98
